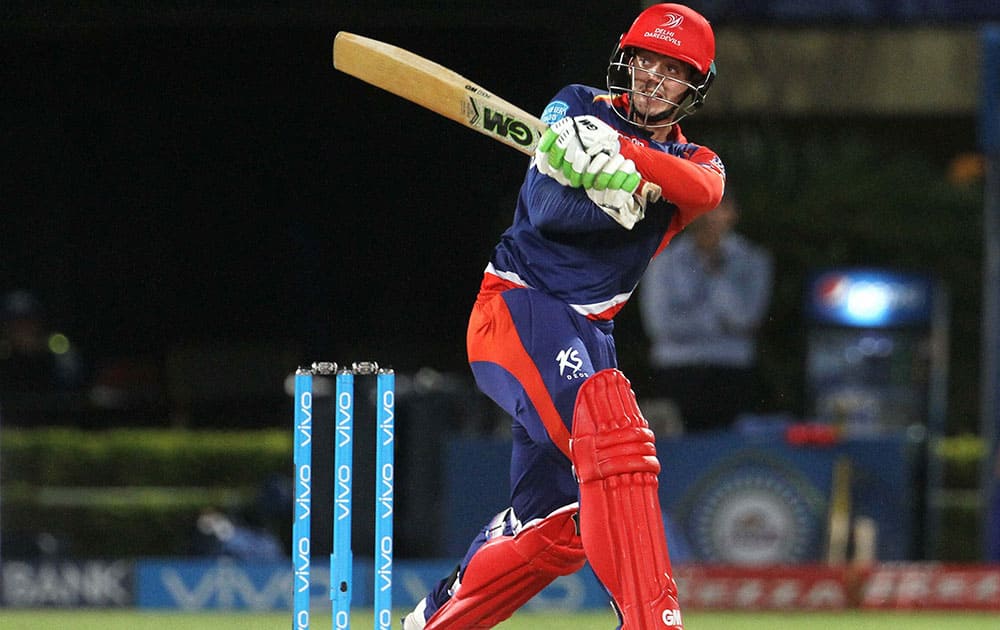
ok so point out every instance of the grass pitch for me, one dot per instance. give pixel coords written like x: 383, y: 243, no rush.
x: 694, y: 620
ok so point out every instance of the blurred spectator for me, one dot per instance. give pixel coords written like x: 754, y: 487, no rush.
x: 217, y: 533
x: 702, y: 302
x: 41, y: 375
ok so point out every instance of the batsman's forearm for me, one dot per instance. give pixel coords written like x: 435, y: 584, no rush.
x: 558, y: 209
x: 692, y: 187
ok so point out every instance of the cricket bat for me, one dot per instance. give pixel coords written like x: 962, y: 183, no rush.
x: 444, y: 92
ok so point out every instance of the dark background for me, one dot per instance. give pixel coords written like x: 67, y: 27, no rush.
x: 212, y: 176
x: 200, y: 174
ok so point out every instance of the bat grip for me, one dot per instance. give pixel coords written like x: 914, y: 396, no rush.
x: 649, y: 191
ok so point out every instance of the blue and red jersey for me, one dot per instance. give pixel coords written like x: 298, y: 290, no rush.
x: 562, y: 244
x: 543, y: 321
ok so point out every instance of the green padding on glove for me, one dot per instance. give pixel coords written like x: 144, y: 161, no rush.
x: 557, y: 156
x: 619, y: 180
x: 631, y: 182
x: 548, y: 139
x: 573, y: 177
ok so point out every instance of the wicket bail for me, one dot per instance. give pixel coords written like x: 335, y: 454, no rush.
x: 342, y: 560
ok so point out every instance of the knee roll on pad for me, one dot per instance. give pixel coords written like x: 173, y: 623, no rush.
x: 507, y: 571
x: 614, y: 455
x: 610, y: 436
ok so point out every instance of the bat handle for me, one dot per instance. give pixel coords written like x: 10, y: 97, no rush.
x: 649, y: 191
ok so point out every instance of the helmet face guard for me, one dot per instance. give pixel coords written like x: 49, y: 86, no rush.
x: 622, y: 87
x: 672, y: 30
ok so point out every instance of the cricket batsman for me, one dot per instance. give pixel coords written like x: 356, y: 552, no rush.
x: 584, y: 468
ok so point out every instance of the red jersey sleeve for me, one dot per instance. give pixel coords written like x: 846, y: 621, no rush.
x: 693, y: 183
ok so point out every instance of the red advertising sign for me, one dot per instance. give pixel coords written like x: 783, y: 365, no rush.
x: 798, y: 587
x: 909, y: 586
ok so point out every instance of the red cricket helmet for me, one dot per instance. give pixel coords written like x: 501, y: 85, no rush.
x: 673, y: 30
x: 676, y: 31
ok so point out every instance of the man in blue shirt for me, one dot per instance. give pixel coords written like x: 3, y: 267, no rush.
x: 703, y: 301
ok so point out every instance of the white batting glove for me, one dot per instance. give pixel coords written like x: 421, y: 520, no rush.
x: 568, y: 146
x: 623, y: 207
x: 596, y: 136
x: 611, y: 171
x: 560, y: 155
x: 614, y: 181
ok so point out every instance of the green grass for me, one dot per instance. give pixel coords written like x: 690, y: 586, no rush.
x: 695, y: 620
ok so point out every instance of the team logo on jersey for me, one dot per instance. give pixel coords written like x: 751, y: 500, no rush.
x: 554, y: 112
x: 570, y: 364
x: 717, y: 166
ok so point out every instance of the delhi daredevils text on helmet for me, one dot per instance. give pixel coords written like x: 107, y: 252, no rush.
x: 676, y: 31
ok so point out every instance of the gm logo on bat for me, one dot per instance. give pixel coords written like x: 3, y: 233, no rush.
x: 497, y: 123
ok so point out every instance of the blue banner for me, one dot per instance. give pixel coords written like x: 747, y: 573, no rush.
x: 66, y: 583
x: 220, y: 584
x: 223, y: 584
x: 727, y: 497
x: 744, y: 501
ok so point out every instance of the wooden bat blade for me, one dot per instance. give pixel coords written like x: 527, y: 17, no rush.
x: 437, y: 88
x: 444, y: 92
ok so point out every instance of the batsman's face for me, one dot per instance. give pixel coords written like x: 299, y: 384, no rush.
x: 659, y: 82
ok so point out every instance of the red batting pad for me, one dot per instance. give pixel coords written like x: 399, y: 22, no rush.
x: 620, y: 520
x: 507, y: 571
